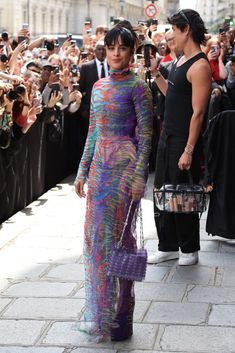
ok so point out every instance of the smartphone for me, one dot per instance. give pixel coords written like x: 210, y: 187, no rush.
x: 84, y: 54
x: 37, y: 102
x: 56, y: 70
x: 73, y: 42
x: 20, y: 39
x: 88, y: 31
x: 55, y: 87
x: 69, y: 36
x: 214, y: 48
x: 76, y: 87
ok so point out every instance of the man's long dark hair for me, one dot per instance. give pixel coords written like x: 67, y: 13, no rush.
x: 191, y: 18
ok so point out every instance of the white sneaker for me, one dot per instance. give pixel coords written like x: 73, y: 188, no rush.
x: 161, y: 256
x: 187, y: 259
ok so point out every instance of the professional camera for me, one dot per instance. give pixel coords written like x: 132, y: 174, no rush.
x: 14, y: 93
x: 49, y: 45
x: 5, y: 36
x: 3, y: 58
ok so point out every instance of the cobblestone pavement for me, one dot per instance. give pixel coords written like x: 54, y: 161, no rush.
x: 178, y: 309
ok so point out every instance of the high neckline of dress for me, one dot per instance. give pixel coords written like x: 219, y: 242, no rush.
x: 119, y: 73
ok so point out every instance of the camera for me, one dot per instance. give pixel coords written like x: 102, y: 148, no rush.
x: 84, y: 54
x: 14, y: 93
x: 5, y: 36
x: 143, y: 23
x: 221, y: 30
x: 21, y: 39
x: 49, y: 45
x: 116, y: 21
x: 152, y: 22
x: 3, y: 58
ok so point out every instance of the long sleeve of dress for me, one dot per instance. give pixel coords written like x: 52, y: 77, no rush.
x: 142, y: 99
x: 88, y: 153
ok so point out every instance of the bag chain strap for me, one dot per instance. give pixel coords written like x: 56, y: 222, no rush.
x: 141, y: 226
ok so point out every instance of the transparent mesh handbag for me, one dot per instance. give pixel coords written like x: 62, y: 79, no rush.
x: 181, y: 198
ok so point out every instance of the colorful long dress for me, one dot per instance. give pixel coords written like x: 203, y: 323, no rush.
x: 115, y: 156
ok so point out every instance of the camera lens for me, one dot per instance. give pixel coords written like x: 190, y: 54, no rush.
x: 3, y: 58
x: 20, y: 90
x: 11, y: 95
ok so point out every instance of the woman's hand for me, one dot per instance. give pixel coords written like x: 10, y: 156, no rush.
x: 75, y: 96
x: 185, y: 161
x: 79, y: 187
x: 137, y: 190
x: 55, y: 98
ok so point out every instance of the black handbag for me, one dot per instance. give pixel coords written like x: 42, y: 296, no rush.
x: 181, y: 198
x: 129, y: 263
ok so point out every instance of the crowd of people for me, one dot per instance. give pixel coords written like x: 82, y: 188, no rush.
x: 130, y: 100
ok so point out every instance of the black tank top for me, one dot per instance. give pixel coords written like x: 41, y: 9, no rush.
x: 178, y: 103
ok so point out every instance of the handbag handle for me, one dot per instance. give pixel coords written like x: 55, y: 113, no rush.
x: 126, y: 223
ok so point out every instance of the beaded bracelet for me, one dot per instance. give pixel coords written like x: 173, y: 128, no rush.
x: 189, y: 149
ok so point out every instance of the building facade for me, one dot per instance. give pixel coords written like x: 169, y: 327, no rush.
x: 214, y: 12
x: 62, y: 16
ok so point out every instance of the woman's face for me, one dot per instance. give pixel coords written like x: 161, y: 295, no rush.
x: 118, y: 55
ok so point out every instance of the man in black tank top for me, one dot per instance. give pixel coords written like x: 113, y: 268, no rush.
x: 187, y: 92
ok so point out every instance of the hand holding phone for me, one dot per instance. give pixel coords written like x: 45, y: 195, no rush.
x: 55, y: 87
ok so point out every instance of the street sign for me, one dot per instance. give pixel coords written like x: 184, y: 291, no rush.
x: 150, y: 11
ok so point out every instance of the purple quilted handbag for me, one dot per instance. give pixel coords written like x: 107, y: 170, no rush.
x: 129, y: 263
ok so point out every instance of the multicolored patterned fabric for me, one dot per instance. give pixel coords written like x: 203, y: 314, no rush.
x: 115, y: 156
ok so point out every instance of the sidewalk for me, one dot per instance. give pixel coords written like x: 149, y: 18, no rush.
x: 178, y: 309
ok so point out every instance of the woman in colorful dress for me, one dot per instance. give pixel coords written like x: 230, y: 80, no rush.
x: 115, y: 164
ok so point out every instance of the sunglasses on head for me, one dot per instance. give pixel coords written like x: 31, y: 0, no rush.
x: 182, y: 14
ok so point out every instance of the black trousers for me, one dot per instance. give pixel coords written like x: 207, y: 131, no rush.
x: 176, y: 230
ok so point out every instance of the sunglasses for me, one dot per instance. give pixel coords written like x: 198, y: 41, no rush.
x: 182, y: 14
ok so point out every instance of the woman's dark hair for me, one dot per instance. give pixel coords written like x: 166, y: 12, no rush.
x: 191, y: 18
x: 127, y: 35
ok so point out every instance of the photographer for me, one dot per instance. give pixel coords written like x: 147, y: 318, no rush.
x: 145, y: 58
